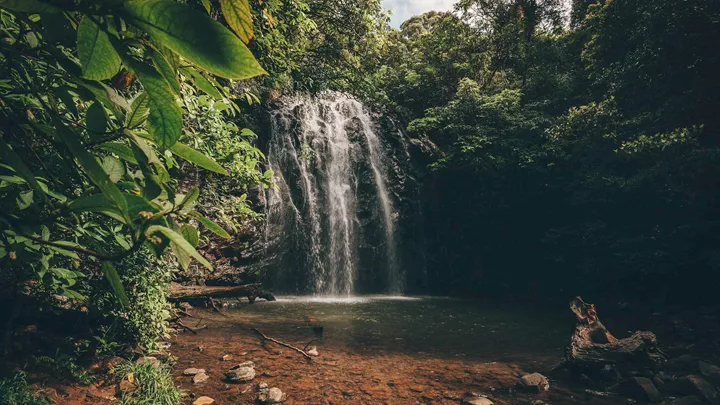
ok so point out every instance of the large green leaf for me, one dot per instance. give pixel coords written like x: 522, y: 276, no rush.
x: 98, y: 203
x: 138, y: 111
x: 29, y: 6
x: 165, y: 120
x: 98, y: 58
x: 238, y: 16
x: 113, y: 278
x: 180, y: 242
x: 91, y: 167
x: 195, y: 36
x: 8, y: 156
x: 210, y: 225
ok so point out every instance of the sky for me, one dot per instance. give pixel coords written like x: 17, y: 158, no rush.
x: 404, y: 9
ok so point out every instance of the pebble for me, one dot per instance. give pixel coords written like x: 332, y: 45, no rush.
x: 200, y: 378
x: 192, y: 371
x: 203, y: 401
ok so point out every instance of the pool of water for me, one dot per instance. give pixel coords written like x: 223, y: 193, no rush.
x: 435, y: 326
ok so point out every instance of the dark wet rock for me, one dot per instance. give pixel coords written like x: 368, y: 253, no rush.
x: 243, y: 372
x: 534, y: 382
x: 694, y: 385
x: 639, y: 388
x: 271, y: 396
x: 684, y: 401
x: 711, y: 372
x: 682, y: 364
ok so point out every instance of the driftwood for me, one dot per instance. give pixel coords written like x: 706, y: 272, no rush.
x: 594, y: 351
x: 267, y: 338
x: 252, y: 291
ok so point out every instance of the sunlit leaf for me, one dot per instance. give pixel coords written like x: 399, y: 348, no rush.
x: 24, y: 199
x: 166, y: 70
x: 98, y: 58
x: 190, y: 234
x: 238, y: 16
x: 195, y: 36
x: 122, y: 150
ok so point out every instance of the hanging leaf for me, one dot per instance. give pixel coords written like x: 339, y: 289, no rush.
x: 165, y: 120
x: 190, y: 234
x: 181, y: 243
x: 96, y: 120
x: 93, y: 169
x: 189, y: 201
x: 98, y: 58
x: 195, y: 36
x: 67, y: 99
x: 210, y: 225
x: 113, y: 278
x: 202, y: 83
x: 238, y: 16
x: 138, y: 111
x: 122, y: 150
x: 114, y: 168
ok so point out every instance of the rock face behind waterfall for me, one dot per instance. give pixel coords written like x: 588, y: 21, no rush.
x: 344, y: 215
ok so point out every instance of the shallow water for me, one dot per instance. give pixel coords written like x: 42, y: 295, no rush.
x: 442, y: 327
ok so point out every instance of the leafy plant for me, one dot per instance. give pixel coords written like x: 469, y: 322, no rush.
x: 16, y: 391
x: 154, y: 382
x: 90, y: 129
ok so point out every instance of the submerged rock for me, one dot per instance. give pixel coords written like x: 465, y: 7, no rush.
x: 243, y: 372
x: 534, y: 382
x: 684, y: 401
x: 710, y: 371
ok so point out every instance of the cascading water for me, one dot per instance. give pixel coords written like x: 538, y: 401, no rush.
x: 332, y: 216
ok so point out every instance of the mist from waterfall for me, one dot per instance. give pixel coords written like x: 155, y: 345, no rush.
x: 332, y: 196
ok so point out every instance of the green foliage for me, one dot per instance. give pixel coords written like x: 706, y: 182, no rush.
x: 16, y: 391
x: 155, y: 384
x: 86, y: 172
x: 63, y: 366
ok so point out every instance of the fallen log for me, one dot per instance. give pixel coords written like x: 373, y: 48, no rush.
x: 595, y: 352
x: 251, y: 291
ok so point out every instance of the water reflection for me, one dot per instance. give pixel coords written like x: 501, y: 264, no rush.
x: 436, y: 326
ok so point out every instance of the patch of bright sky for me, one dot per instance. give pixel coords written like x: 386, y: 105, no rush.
x: 404, y: 9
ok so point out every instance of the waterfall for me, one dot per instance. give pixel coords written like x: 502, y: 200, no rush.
x: 332, y: 212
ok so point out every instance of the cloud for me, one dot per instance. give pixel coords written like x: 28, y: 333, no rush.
x: 404, y: 9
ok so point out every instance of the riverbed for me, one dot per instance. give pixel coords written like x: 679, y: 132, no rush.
x: 379, y: 350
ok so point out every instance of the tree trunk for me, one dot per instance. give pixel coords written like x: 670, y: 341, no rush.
x: 594, y: 351
x: 252, y: 291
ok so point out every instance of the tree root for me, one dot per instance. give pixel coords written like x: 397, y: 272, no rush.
x: 266, y: 338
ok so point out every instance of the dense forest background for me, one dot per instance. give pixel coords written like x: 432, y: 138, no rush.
x: 558, y: 151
